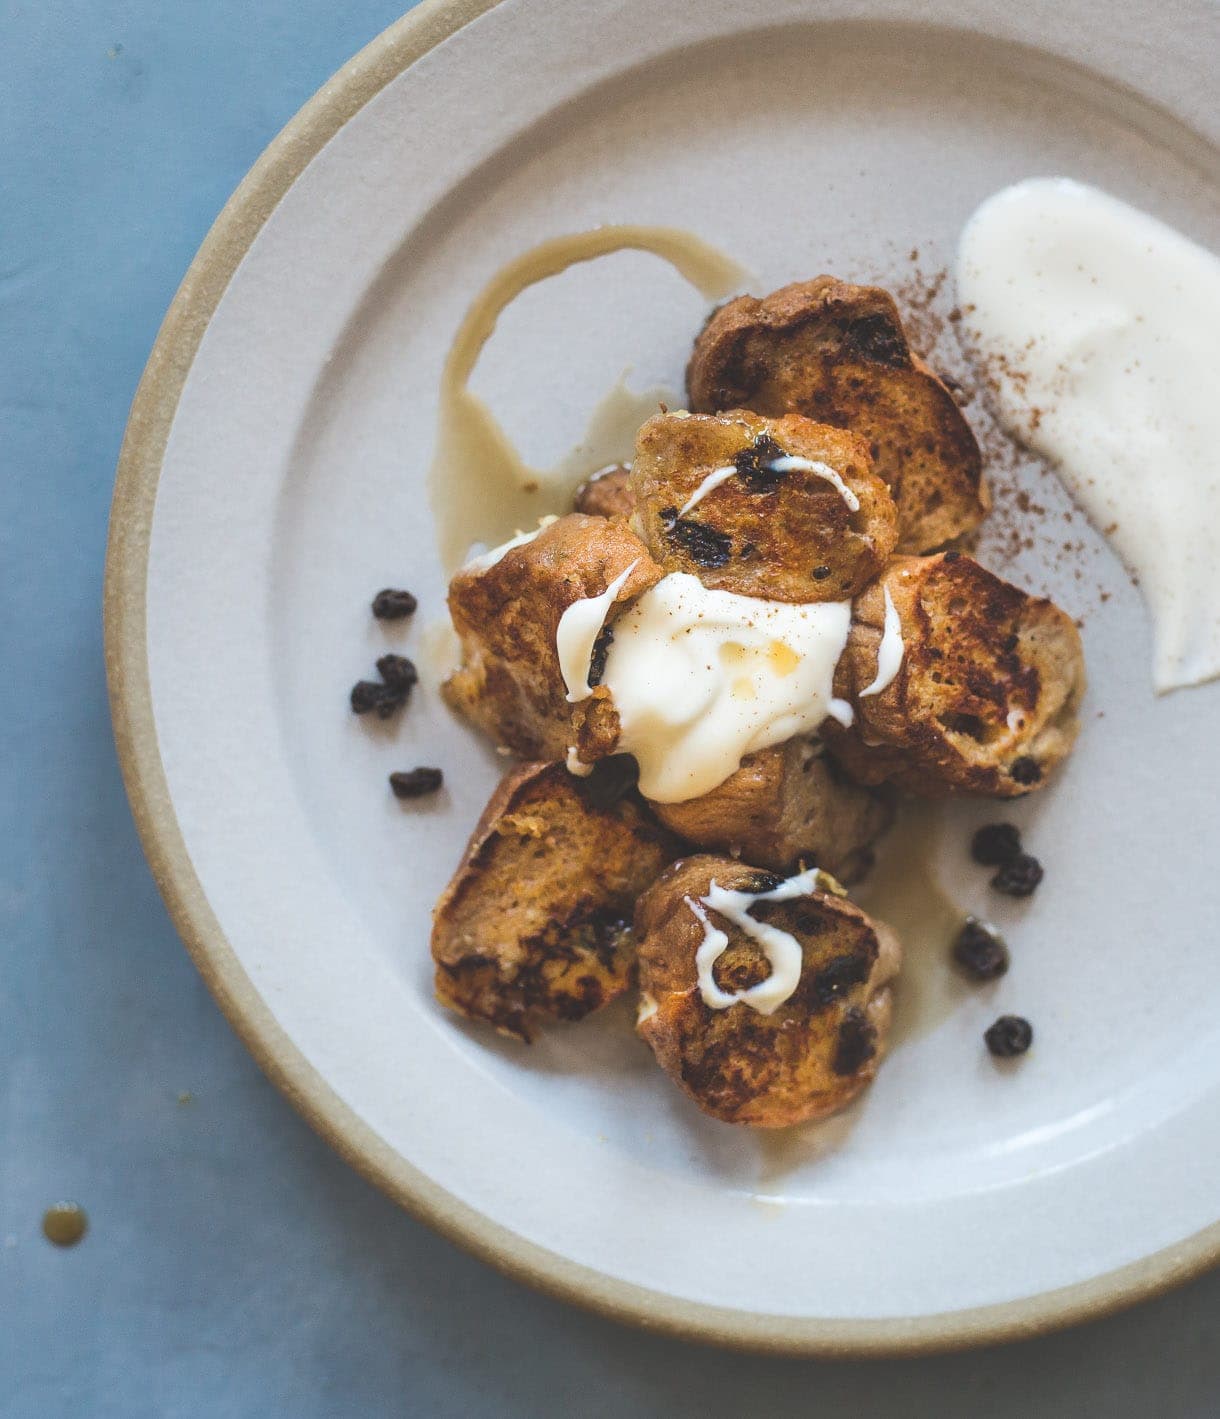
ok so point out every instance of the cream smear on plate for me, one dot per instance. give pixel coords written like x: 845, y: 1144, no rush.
x: 1099, y: 329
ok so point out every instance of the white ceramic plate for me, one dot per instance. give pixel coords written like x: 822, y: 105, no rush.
x: 273, y: 478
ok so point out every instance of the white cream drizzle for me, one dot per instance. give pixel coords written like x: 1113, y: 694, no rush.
x: 890, y: 651
x: 793, y: 463
x: 783, y: 950
x: 484, y: 561
x: 701, y: 678
x: 577, y: 633
x: 709, y: 484
x: 788, y: 463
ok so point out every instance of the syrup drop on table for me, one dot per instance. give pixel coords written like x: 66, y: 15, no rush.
x: 64, y: 1224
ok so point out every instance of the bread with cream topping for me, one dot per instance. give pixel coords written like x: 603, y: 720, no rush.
x: 809, y: 1057
x: 985, y: 700
x: 507, y: 615
x: 838, y: 353
x: 536, y: 923
x: 786, y: 806
x: 783, y: 509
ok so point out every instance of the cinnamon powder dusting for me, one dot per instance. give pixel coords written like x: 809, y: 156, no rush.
x: 1030, y: 507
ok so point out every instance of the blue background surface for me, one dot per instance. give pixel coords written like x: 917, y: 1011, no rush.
x: 234, y: 1266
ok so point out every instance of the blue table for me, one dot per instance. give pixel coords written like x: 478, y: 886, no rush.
x: 234, y: 1266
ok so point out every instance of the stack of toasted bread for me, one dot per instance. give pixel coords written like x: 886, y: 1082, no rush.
x: 857, y: 477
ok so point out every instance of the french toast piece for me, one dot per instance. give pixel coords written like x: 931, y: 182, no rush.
x: 838, y: 353
x: 767, y: 529
x: 985, y: 699
x: 536, y: 923
x: 808, y: 1058
x: 506, y: 616
x: 785, y: 806
x: 607, y: 493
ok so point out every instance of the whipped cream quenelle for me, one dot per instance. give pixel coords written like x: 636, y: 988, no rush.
x: 701, y: 678
x: 782, y: 949
x: 1100, y: 328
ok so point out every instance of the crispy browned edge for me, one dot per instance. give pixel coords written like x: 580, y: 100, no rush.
x: 715, y: 381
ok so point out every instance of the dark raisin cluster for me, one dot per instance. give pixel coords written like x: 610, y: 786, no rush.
x: 1019, y: 877
x: 999, y: 845
x: 387, y: 696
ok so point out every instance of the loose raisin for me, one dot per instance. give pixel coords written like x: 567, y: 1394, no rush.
x: 393, y: 605
x: 980, y: 951
x: 398, y: 672
x: 415, y: 783
x: 1010, y: 1036
x: 368, y: 695
x: 995, y: 844
x: 1020, y: 877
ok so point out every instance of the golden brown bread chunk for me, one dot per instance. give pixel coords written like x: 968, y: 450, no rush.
x: 536, y: 923
x: 838, y: 353
x: 768, y: 530
x: 785, y: 806
x: 985, y: 699
x: 816, y: 1051
x: 506, y: 616
x: 607, y: 493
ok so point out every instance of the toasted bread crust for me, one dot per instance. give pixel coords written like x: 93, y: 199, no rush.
x: 811, y: 1056
x: 782, y: 535
x: 838, y: 353
x: 985, y: 700
x: 536, y: 922
x: 786, y: 806
x: 506, y: 616
x: 607, y: 493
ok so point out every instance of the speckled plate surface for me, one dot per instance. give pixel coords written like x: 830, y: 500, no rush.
x: 273, y: 477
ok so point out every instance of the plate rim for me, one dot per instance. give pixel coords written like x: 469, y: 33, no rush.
x: 124, y: 608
